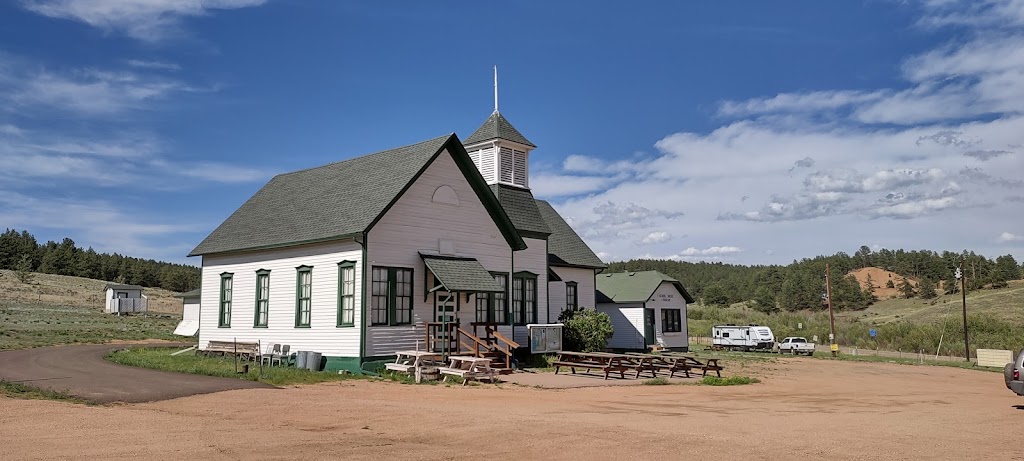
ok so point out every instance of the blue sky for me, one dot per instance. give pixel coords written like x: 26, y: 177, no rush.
x: 755, y: 132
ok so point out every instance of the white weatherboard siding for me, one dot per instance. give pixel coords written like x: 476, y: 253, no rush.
x: 586, y: 289
x: 556, y: 299
x: 627, y: 324
x: 667, y: 296
x: 417, y: 224
x: 534, y: 259
x: 323, y: 334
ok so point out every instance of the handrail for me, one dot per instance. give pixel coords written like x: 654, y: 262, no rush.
x: 504, y: 339
x: 474, y: 338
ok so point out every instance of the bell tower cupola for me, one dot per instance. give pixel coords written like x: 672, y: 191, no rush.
x: 499, y: 150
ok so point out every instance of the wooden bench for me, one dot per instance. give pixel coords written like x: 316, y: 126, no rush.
x: 468, y: 368
x: 246, y: 350
x: 680, y: 363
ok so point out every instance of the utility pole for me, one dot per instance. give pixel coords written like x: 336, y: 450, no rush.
x: 963, y: 290
x: 831, y: 318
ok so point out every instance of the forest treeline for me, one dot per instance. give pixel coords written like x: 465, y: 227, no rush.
x: 801, y: 284
x: 19, y: 251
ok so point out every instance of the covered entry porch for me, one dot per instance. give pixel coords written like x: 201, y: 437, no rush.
x: 455, y: 285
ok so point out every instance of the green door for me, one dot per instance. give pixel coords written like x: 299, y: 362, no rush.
x: 649, y: 331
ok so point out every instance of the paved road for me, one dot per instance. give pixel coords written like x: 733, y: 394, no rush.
x: 82, y: 372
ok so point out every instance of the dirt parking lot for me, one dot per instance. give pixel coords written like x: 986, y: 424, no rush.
x: 804, y: 409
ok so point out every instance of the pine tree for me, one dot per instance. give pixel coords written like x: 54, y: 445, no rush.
x: 23, y: 271
x: 906, y: 288
x: 927, y: 289
x: 889, y: 284
x: 764, y: 300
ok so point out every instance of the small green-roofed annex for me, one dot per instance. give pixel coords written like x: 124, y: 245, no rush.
x: 634, y: 287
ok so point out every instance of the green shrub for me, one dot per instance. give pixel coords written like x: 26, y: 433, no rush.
x: 656, y: 382
x: 586, y: 330
x: 728, y: 381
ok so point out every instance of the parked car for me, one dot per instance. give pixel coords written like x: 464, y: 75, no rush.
x: 1012, y: 374
x: 795, y: 345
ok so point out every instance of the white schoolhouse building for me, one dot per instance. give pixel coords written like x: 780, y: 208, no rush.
x: 433, y: 243
x: 647, y: 309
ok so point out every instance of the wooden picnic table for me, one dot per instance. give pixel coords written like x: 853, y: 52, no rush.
x: 468, y: 368
x: 409, y: 361
x: 674, y: 363
x: 609, y: 363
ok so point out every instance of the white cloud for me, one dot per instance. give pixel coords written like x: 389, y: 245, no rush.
x: 153, y: 65
x: 555, y: 185
x: 656, y: 237
x: 1008, y: 237
x: 148, y: 20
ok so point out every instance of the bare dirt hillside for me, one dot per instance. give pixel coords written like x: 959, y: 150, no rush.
x: 879, y: 277
x: 61, y: 290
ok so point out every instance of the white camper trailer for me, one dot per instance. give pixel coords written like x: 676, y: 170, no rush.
x: 743, y: 337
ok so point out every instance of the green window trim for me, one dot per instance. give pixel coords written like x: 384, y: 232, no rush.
x: 262, y: 312
x: 303, y: 296
x: 390, y: 286
x: 572, y: 300
x: 226, y: 294
x: 493, y: 307
x: 524, y: 298
x: 346, y: 299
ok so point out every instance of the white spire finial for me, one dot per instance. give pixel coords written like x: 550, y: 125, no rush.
x: 495, y: 88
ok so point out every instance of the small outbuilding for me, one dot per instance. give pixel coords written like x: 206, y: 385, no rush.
x: 647, y: 309
x: 189, y: 324
x: 121, y: 298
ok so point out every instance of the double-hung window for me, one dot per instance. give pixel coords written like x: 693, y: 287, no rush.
x: 262, y: 298
x: 391, y: 296
x: 493, y: 307
x: 226, y: 283
x: 671, y: 320
x: 346, y: 294
x: 571, y: 302
x: 524, y: 298
x: 303, y: 296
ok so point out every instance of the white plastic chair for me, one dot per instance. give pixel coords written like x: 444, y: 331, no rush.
x: 268, y: 356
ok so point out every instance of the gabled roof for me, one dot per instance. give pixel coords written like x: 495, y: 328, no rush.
x: 565, y: 247
x: 120, y: 286
x: 464, y: 275
x: 342, y: 200
x: 634, y: 287
x: 522, y: 210
x: 498, y: 127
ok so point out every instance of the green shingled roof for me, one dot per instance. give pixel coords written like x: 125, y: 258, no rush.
x: 498, y: 127
x: 341, y: 200
x: 198, y: 292
x: 634, y: 287
x: 465, y: 275
x: 522, y: 210
x: 565, y: 247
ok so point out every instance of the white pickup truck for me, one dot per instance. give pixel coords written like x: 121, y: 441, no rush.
x: 795, y: 345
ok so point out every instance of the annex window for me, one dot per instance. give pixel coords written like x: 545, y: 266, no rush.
x: 571, y: 302
x: 226, y: 283
x: 262, y: 298
x: 671, y: 321
x: 303, y: 296
x: 346, y: 294
x: 493, y: 307
x: 391, y: 296
x: 524, y: 298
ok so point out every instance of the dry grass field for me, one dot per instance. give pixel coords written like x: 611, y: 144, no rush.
x: 803, y: 409
x: 65, y: 291
x: 1003, y: 304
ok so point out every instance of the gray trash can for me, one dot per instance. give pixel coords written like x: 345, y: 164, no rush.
x: 300, y: 359
x: 313, y: 361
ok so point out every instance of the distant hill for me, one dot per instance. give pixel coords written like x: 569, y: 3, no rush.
x: 63, y: 290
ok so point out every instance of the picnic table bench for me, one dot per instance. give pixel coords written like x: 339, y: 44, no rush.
x: 467, y: 368
x: 247, y: 350
x: 609, y: 363
x: 413, y: 362
x: 680, y: 363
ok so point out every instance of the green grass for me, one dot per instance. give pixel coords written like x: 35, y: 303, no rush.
x: 37, y: 325
x: 1006, y: 304
x: 24, y: 391
x: 728, y: 381
x: 161, y: 359
x: 656, y: 382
